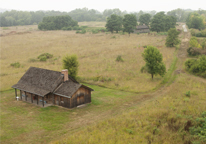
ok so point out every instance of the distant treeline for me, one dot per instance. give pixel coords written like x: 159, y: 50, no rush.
x: 13, y: 17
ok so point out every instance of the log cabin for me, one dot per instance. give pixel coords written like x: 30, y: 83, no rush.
x: 142, y: 29
x: 46, y: 87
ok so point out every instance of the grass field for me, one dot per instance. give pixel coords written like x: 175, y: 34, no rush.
x: 96, y: 54
x: 22, y: 122
x: 114, y: 115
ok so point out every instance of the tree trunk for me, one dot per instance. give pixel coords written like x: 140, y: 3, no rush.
x: 152, y: 76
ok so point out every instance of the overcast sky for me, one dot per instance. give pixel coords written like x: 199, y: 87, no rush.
x: 128, y: 5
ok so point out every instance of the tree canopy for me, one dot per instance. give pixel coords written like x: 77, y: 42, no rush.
x: 153, y: 59
x: 129, y: 22
x: 196, y: 21
x: 172, y: 38
x: 161, y: 22
x: 56, y: 22
x: 114, y: 23
x: 71, y: 64
x: 145, y: 19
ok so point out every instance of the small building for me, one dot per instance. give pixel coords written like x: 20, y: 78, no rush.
x: 46, y: 87
x: 142, y: 29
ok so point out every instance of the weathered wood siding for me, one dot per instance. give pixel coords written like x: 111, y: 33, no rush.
x: 81, y: 96
x: 141, y: 31
x: 62, y: 101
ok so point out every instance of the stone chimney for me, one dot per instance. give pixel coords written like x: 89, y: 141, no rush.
x: 65, y: 73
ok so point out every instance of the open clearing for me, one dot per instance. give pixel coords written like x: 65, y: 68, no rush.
x: 113, y: 116
x: 96, y: 54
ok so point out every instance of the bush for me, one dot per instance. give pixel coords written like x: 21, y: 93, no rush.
x: 16, y: 64
x: 44, y: 56
x: 77, y: 28
x: 193, y: 51
x: 199, y: 129
x: 67, y: 28
x: 95, y: 31
x: 203, y: 44
x: 188, y: 94
x: 197, y: 67
x: 119, y: 58
x: 32, y: 60
x: 194, y: 43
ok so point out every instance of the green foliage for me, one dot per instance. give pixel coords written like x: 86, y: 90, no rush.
x: 67, y: 28
x: 71, y: 64
x: 44, y: 56
x: 56, y: 22
x: 180, y: 14
x: 195, y: 20
x: 15, y: 65
x: 172, y: 38
x: 153, y: 59
x: 203, y: 44
x: 197, y: 33
x: 197, y: 66
x: 114, y: 23
x: 83, y: 31
x: 145, y: 19
x: 160, y: 22
x: 119, y: 58
x: 129, y: 23
x: 32, y: 60
x: 193, y: 52
x: 199, y: 129
x: 162, y: 33
x: 194, y: 43
x: 187, y: 93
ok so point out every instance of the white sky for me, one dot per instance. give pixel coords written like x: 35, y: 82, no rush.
x: 128, y: 5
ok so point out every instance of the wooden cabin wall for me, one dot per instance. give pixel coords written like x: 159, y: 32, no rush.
x: 82, y: 91
x: 62, y: 101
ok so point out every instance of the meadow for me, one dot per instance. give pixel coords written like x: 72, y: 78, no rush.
x: 127, y: 105
x: 96, y: 55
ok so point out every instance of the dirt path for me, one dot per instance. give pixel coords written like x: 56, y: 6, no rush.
x: 91, y: 118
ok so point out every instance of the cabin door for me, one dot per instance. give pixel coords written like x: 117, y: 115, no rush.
x: 80, y: 100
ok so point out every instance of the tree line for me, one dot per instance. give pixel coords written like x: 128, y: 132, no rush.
x: 13, y: 17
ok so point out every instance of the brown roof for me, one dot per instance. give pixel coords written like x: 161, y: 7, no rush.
x: 142, y: 27
x: 42, y: 81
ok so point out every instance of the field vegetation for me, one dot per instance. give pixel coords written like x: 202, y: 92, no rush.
x: 96, y: 53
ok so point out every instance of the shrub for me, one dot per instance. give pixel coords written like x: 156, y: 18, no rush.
x: 113, y: 37
x: 199, y: 129
x: 77, y: 28
x: 203, y: 44
x: 119, y: 58
x: 144, y: 46
x: 32, y: 60
x: 188, y: 94
x: 83, y: 31
x: 15, y: 65
x: 194, y: 43
x: 44, y: 56
x: 67, y: 28
x: 95, y: 31
x: 193, y: 51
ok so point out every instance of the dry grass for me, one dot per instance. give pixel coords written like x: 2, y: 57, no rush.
x: 160, y: 120
x: 96, y: 54
x: 92, y: 24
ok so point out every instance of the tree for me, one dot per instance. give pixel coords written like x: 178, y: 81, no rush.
x: 71, y: 63
x: 172, y: 38
x: 153, y: 59
x: 196, y: 21
x: 161, y: 22
x: 157, y: 22
x: 145, y: 19
x: 114, y: 23
x: 129, y: 23
x: 194, y: 43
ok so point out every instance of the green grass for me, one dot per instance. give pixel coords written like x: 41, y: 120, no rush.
x: 22, y: 122
x: 161, y: 120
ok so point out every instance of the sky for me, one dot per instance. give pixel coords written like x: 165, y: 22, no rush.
x: 128, y: 5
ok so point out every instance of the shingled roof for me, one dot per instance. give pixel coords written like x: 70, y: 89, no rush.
x: 142, y: 27
x: 42, y: 81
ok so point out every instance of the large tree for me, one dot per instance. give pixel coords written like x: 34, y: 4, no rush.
x: 196, y: 21
x: 172, y: 38
x: 153, y: 59
x: 129, y: 23
x: 145, y: 19
x: 114, y: 23
x: 71, y: 64
x: 161, y: 22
